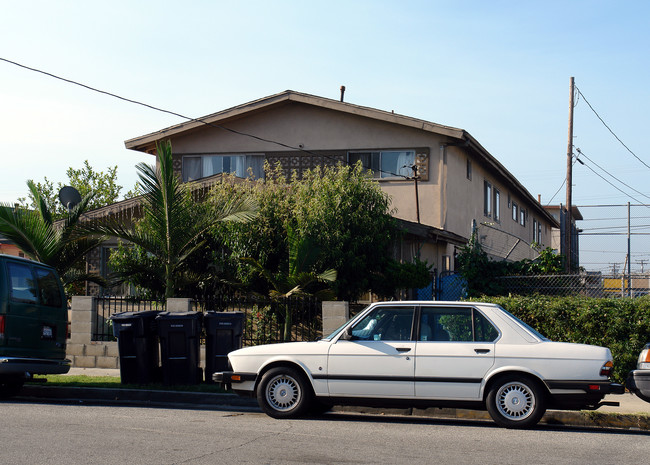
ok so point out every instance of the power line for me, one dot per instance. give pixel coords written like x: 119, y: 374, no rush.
x: 560, y: 188
x: 610, y: 174
x: 610, y: 129
x: 197, y: 120
x: 607, y: 181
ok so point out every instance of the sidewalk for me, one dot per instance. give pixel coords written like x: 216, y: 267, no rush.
x: 633, y: 413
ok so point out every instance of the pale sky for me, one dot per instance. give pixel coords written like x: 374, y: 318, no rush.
x: 498, y: 69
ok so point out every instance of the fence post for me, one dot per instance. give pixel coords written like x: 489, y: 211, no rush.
x: 83, y: 316
x: 179, y: 305
x: 334, y: 315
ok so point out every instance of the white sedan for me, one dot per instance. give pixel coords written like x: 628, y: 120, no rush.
x: 426, y: 354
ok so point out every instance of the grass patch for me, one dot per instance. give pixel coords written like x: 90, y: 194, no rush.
x: 113, y: 382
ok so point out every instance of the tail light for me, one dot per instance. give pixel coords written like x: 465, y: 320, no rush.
x: 607, y: 368
x: 2, y: 327
x: 644, y: 358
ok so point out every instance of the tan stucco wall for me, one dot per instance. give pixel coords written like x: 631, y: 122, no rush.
x: 294, y: 124
x: 447, y: 199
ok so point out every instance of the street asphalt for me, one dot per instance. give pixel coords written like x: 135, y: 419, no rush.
x: 632, y: 413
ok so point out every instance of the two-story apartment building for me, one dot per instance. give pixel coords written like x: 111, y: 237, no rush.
x: 459, y: 183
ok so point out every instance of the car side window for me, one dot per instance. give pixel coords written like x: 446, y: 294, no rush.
x: 484, y: 331
x: 48, y: 287
x: 23, y: 286
x: 385, y: 324
x: 455, y: 324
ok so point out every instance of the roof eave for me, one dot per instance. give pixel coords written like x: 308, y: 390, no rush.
x: 147, y: 142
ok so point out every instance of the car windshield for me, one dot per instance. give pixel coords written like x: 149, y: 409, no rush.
x: 336, y: 331
x: 525, y: 325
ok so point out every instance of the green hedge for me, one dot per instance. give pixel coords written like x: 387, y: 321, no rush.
x: 623, y: 325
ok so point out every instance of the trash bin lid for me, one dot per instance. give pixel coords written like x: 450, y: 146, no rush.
x: 141, y: 323
x: 189, y: 322
x: 216, y: 320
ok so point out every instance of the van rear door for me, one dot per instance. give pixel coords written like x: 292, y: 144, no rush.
x: 36, y: 319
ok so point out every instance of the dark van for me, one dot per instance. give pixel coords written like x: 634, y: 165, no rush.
x: 33, y: 323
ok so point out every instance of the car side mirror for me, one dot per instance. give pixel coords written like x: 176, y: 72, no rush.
x: 347, y: 335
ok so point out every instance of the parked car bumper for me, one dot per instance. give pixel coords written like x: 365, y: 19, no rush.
x: 29, y: 366
x: 638, y: 382
x: 240, y: 383
x: 590, y: 387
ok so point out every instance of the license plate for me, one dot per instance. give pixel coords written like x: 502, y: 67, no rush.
x: 47, y: 333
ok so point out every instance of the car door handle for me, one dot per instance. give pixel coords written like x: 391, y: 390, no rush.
x: 481, y: 351
x: 403, y: 349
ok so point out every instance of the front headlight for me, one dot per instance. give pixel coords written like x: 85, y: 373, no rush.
x: 644, y: 358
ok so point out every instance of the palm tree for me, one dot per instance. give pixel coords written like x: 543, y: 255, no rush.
x: 62, y: 244
x: 303, y: 254
x: 170, y: 231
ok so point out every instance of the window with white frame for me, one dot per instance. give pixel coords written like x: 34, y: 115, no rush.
x: 201, y: 166
x: 446, y: 263
x: 522, y: 217
x: 385, y: 163
x: 535, y: 238
x: 487, y: 198
x: 515, y: 212
x: 497, y: 205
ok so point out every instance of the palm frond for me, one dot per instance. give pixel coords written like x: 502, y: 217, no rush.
x: 27, y: 230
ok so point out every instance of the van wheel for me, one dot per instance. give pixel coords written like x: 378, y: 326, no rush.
x: 10, y: 386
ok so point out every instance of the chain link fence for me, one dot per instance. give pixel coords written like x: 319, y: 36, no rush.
x: 606, y: 232
x: 585, y: 284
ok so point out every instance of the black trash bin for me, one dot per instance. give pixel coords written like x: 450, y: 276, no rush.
x: 180, y: 335
x: 137, y: 342
x: 223, y: 334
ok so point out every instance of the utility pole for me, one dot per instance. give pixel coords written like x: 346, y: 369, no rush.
x: 642, y: 263
x: 569, y: 180
x: 629, y: 253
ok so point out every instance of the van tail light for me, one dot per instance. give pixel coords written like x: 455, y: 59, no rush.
x: 607, y: 368
x: 2, y: 326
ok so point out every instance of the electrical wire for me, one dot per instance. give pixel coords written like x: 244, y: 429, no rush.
x: 610, y: 174
x: 191, y: 120
x: 608, y: 182
x: 610, y: 129
x: 560, y: 188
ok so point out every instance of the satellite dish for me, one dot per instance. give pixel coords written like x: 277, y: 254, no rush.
x: 69, y: 196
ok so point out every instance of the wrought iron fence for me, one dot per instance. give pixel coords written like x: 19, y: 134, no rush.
x: 266, y: 320
x: 585, y: 284
x: 271, y: 320
x: 108, y: 306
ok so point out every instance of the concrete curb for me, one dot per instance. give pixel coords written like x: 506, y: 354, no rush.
x: 143, y: 397
x: 582, y: 418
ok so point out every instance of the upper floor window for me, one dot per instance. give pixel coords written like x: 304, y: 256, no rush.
x: 522, y: 217
x: 469, y: 169
x: 201, y: 166
x: 385, y: 163
x: 515, y: 212
x: 487, y: 198
x: 497, y: 205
